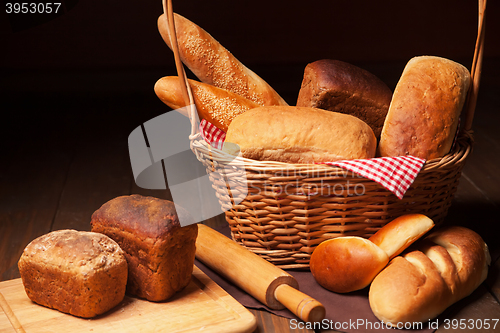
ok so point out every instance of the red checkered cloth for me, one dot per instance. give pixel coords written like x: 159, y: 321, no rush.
x: 394, y: 173
x: 212, y: 134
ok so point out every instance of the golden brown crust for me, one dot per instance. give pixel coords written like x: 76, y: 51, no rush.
x: 216, y: 105
x: 300, y: 135
x: 341, y: 87
x: 425, y: 109
x: 346, y: 264
x: 215, y: 65
x: 76, y: 272
x: 397, y: 235
x: 160, y: 253
x: 448, y: 266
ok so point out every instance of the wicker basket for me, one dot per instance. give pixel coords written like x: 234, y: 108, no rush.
x: 283, y: 211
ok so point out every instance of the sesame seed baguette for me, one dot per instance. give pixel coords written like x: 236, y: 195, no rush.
x: 215, y: 65
x: 216, y: 105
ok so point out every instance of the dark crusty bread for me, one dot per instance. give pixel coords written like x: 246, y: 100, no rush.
x: 341, y: 87
x: 160, y: 253
x: 425, y: 109
x: 76, y: 272
x: 445, y: 267
x: 299, y: 135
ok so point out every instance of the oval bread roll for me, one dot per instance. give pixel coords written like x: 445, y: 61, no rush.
x: 425, y: 109
x: 215, y: 65
x: 445, y: 267
x: 300, y: 135
x: 216, y: 105
x: 346, y: 264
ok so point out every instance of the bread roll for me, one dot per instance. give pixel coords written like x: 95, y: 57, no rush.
x: 160, y: 253
x: 423, y: 116
x: 215, y: 65
x: 397, y: 235
x: 216, y: 105
x: 346, y: 264
x: 341, y: 87
x: 76, y: 272
x: 300, y: 135
x: 419, y: 285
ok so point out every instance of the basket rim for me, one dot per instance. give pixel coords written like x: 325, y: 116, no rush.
x: 460, y: 151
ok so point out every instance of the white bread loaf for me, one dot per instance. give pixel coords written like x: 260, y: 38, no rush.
x: 215, y: 65
x: 216, y: 105
x: 445, y: 267
x: 346, y: 264
x: 424, y: 112
x: 300, y: 135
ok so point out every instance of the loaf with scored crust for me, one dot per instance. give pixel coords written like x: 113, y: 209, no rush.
x: 160, y: 253
x: 440, y: 270
x: 76, y: 272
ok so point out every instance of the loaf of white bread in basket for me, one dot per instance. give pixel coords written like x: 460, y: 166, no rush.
x: 445, y: 267
x: 299, y: 135
x: 212, y: 63
x: 424, y: 113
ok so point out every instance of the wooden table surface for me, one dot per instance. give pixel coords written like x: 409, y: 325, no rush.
x: 64, y: 153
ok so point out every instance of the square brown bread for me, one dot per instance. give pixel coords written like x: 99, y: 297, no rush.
x: 160, y: 253
x: 76, y: 272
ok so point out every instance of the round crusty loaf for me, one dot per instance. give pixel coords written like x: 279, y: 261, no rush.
x: 77, y: 272
x: 338, y: 86
x: 216, y: 105
x: 445, y: 267
x: 424, y: 113
x: 212, y: 63
x: 300, y: 135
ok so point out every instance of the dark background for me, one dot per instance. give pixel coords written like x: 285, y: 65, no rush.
x: 115, y: 46
x: 72, y: 88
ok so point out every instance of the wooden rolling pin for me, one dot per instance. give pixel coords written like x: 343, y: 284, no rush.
x: 258, y: 277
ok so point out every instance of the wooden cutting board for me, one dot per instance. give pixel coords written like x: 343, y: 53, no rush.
x: 202, y: 306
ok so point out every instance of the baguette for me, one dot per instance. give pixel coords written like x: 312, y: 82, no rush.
x: 346, y: 264
x: 447, y: 266
x: 215, y: 65
x: 425, y: 109
x: 216, y: 105
x: 299, y: 135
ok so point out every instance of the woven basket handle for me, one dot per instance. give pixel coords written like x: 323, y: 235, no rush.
x: 471, y: 100
x: 185, y: 87
x: 477, y: 63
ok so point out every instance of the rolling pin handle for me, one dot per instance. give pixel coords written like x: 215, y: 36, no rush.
x: 305, y: 307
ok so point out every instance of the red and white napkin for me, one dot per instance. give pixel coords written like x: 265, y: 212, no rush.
x: 394, y: 173
x: 212, y: 134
